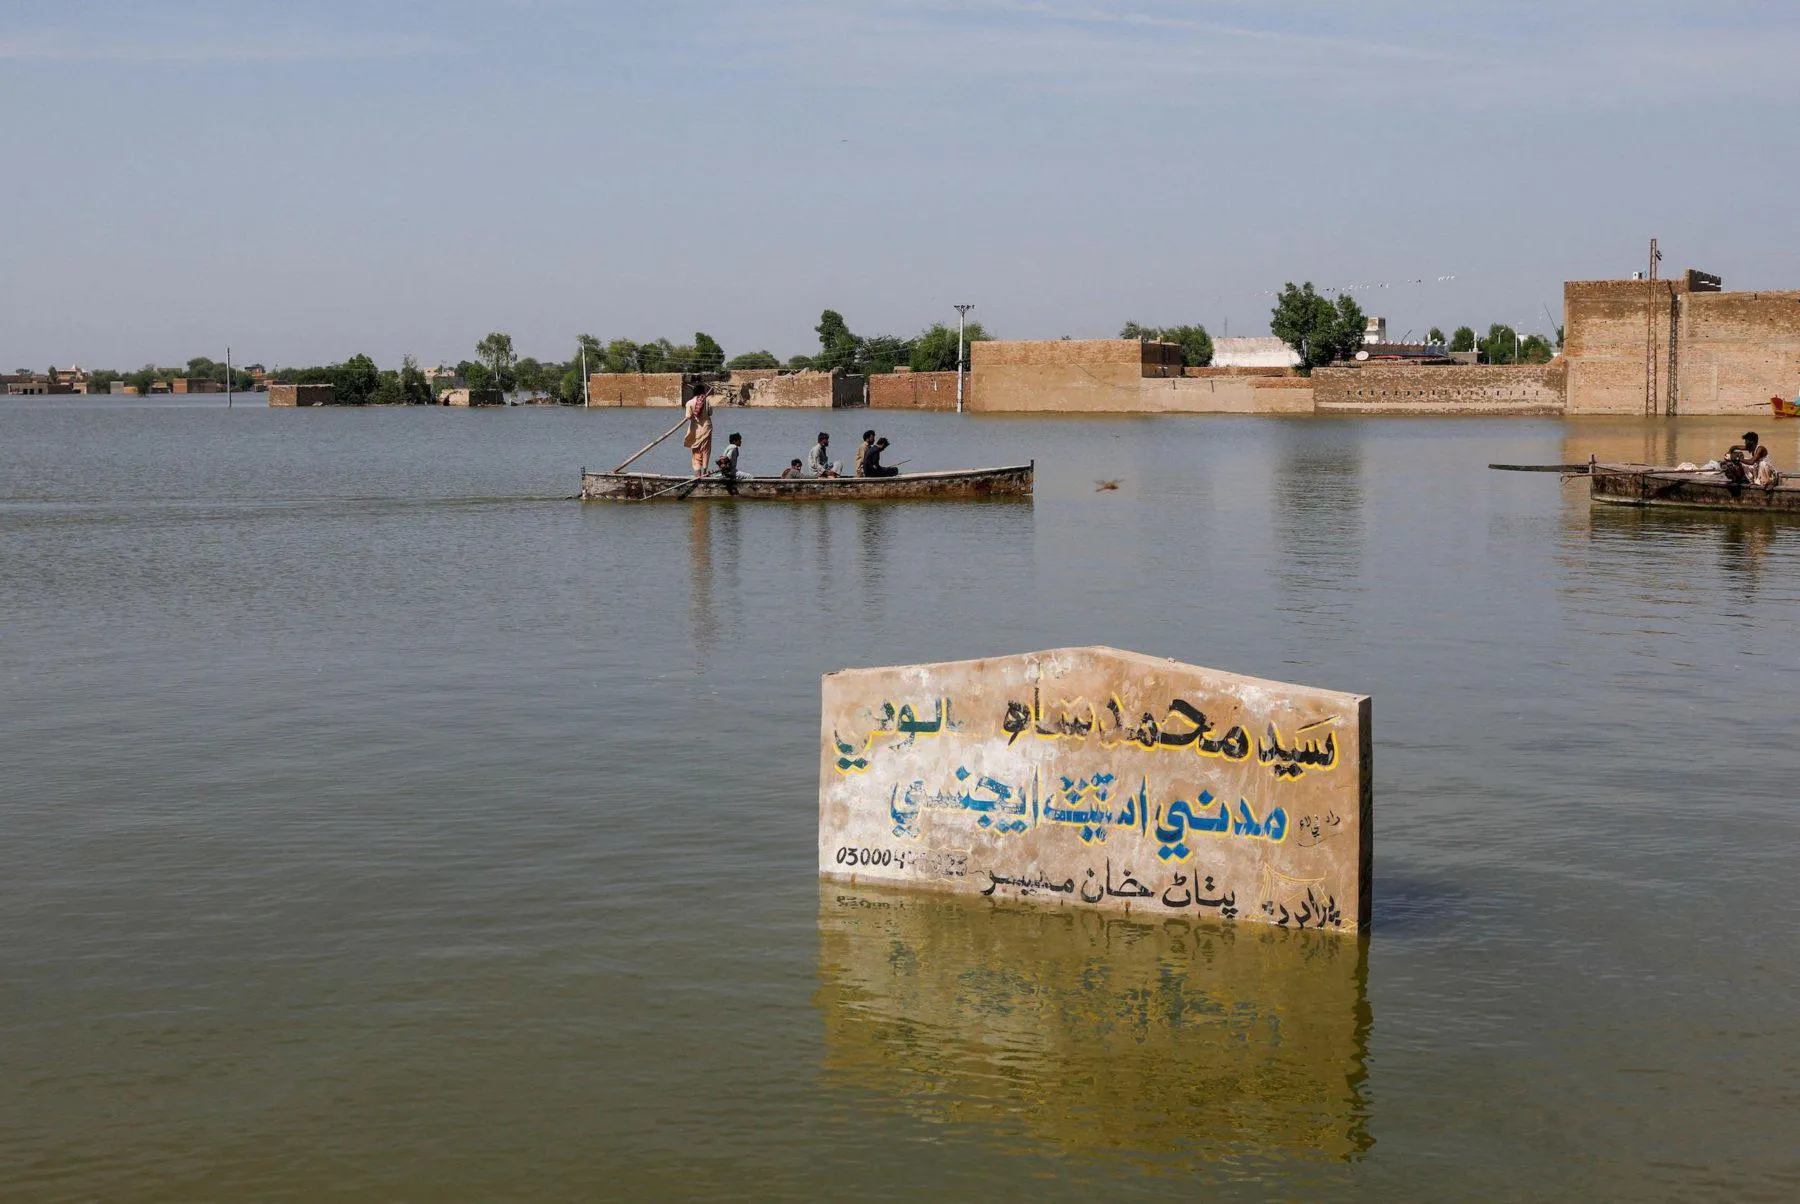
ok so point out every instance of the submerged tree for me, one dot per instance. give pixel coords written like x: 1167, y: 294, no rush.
x: 496, y: 352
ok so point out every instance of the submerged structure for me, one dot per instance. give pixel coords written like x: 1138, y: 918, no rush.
x: 1103, y: 778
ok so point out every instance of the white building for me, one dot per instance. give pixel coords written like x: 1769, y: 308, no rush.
x: 1264, y: 352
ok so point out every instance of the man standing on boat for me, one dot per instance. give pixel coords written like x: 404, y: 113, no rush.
x: 698, y: 438
x: 820, y: 460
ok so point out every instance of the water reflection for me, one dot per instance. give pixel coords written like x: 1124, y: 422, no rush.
x: 700, y: 579
x: 1318, y: 513
x: 1096, y: 1032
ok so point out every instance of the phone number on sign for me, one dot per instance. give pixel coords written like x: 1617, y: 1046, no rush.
x: 931, y: 863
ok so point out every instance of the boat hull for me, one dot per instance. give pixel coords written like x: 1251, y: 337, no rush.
x: 1650, y: 485
x: 974, y: 483
x: 1784, y: 408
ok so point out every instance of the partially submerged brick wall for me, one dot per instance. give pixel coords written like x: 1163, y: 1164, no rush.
x: 913, y: 391
x: 1735, y: 351
x: 301, y: 395
x: 637, y: 389
x: 1439, y: 389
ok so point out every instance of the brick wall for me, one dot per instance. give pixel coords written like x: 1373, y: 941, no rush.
x: 913, y: 391
x: 1605, y: 329
x: 1736, y: 350
x: 301, y: 395
x: 1440, y: 389
x: 637, y: 389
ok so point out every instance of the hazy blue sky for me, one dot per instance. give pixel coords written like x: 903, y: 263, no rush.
x: 305, y: 180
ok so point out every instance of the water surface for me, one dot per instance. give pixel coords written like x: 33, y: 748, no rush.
x: 378, y: 824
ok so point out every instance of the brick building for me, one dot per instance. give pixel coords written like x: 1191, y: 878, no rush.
x: 1678, y: 346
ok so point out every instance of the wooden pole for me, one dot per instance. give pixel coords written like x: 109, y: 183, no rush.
x: 652, y: 443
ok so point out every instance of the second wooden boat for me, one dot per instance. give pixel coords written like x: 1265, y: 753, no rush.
x: 963, y: 484
x: 1695, y: 489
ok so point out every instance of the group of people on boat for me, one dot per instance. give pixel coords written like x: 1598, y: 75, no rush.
x: 699, y: 435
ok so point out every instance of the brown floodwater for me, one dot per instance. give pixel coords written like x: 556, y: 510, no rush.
x: 378, y: 824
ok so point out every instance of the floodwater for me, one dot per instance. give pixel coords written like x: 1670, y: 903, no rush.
x: 378, y: 824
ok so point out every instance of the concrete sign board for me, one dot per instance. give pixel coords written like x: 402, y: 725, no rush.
x: 1102, y: 778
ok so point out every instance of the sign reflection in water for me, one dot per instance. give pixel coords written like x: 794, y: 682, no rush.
x: 1096, y: 1032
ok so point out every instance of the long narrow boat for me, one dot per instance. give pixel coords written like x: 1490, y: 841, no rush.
x: 1011, y: 482
x: 1695, y: 489
x: 1784, y: 408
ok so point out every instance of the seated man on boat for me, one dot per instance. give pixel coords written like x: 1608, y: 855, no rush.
x: 728, y: 463
x: 820, y: 457
x: 872, y: 465
x: 792, y: 470
x: 1747, y: 463
x: 860, y: 463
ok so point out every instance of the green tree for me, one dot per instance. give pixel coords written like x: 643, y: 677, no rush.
x: 496, y: 351
x: 838, y: 347
x: 1320, y: 330
x: 708, y: 355
x: 658, y: 356
x: 387, y: 390
x: 621, y: 356
x: 1501, y: 346
x: 1196, y: 345
x: 753, y: 359
x: 1559, y: 338
x: 476, y: 376
x: 800, y: 363
x: 1536, y: 350
x: 1463, y: 339
x: 935, y: 349
x: 885, y: 352
x: 1435, y: 337
x: 415, y: 390
x: 355, y: 381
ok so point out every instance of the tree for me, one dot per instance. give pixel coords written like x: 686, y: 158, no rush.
x: 476, y: 376
x: 838, y: 347
x: 621, y: 356
x: 658, y: 356
x: 1536, y: 350
x: 1559, y: 338
x: 708, y: 355
x: 496, y: 352
x: 753, y: 359
x: 531, y: 374
x: 1314, y: 326
x: 1435, y: 337
x: 415, y: 390
x: 885, y: 352
x: 355, y: 381
x: 935, y: 349
x: 1196, y: 345
x: 1501, y: 346
x: 1463, y: 339
x: 800, y: 363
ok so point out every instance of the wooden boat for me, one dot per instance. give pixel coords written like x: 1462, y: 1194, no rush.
x: 1011, y: 482
x: 1694, y: 489
x: 1784, y: 408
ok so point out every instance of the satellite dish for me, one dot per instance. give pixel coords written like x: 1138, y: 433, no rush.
x: 1362, y: 355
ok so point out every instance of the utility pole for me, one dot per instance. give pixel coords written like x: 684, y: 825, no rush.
x: 228, y: 393
x: 962, y: 314
x: 1650, y: 406
x: 587, y: 399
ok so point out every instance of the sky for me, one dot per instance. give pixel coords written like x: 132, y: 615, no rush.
x: 303, y: 181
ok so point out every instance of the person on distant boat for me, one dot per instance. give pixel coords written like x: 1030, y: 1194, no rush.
x: 872, y: 465
x: 862, y: 453
x: 728, y: 463
x: 698, y: 438
x: 1747, y: 463
x: 820, y: 457
x: 793, y: 470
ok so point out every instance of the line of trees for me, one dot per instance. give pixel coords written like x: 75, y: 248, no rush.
x: 1501, y: 345
x: 149, y: 376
